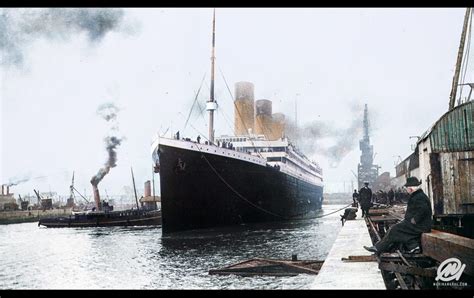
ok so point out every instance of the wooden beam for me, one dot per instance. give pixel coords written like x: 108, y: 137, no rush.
x: 402, y: 283
x: 370, y: 258
x: 441, y: 246
x: 378, y: 211
x: 396, y: 257
x: 428, y: 272
x: 383, y: 218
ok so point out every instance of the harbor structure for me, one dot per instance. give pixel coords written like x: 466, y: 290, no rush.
x: 367, y: 171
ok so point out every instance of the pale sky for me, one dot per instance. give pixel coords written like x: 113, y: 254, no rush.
x: 398, y: 61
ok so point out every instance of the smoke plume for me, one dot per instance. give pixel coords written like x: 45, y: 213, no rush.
x: 19, y: 27
x: 16, y: 180
x: 310, y: 137
x: 108, y: 111
x: 22, y: 178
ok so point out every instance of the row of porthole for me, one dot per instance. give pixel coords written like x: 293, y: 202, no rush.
x: 224, y: 153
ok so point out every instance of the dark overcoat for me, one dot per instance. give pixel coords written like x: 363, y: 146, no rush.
x: 419, y: 208
x: 365, y: 197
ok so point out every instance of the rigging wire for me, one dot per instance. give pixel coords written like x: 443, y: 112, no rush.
x: 240, y: 195
x: 194, y: 102
x: 252, y: 204
x: 239, y: 115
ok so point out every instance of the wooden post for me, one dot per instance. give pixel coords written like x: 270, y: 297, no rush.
x: 454, y: 87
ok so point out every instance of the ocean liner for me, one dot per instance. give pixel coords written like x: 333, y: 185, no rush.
x: 256, y: 175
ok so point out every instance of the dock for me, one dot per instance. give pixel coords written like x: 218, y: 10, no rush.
x: 337, y: 273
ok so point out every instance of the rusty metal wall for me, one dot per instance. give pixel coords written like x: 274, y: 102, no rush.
x: 454, y: 131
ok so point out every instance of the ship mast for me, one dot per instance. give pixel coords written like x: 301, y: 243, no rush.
x: 211, y: 105
x: 454, y: 87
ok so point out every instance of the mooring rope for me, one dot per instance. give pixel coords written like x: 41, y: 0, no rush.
x: 235, y: 191
x: 333, y: 211
x: 249, y: 202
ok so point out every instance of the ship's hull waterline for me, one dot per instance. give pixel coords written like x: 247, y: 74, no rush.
x: 203, y: 190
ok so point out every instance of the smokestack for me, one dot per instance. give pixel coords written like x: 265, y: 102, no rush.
x: 95, y: 181
x: 95, y: 190
x: 3, y: 191
x: 147, y: 188
x: 278, y: 125
x: 244, y: 108
x: 8, y: 190
x: 263, y: 118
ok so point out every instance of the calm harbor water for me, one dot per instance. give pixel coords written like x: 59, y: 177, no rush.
x: 141, y: 258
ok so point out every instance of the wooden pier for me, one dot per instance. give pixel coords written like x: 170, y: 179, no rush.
x: 348, y: 265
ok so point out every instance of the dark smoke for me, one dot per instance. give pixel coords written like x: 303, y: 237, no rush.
x: 22, y: 178
x: 16, y: 181
x: 112, y: 143
x: 309, y: 137
x: 108, y: 111
x: 19, y: 27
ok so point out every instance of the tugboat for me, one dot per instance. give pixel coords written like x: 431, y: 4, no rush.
x: 102, y: 215
x: 131, y: 217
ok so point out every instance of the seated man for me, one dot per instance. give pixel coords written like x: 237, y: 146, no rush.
x: 417, y: 221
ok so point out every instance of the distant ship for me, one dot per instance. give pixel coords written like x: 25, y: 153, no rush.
x: 245, y: 178
x: 104, y: 215
x: 104, y: 219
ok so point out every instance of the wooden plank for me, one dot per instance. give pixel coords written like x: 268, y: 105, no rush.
x: 441, y: 246
x: 378, y: 211
x: 402, y: 283
x: 395, y: 256
x: 370, y: 258
x: 383, y: 218
x: 390, y: 266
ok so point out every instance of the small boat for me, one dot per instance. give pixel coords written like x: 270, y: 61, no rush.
x: 103, y: 214
x: 260, y: 266
x: 90, y: 218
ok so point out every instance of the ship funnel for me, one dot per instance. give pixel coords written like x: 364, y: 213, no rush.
x: 96, y: 197
x: 244, y: 108
x: 263, y: 118
x: 147, y: 188
x: 278, y: 126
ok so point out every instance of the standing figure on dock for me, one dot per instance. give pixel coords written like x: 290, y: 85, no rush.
x: 355, y: 198
x: 365, y: 199
x: 417, y: 221
x: 391, y: 195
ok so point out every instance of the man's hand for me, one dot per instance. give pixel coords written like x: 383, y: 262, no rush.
x: 413, y: 221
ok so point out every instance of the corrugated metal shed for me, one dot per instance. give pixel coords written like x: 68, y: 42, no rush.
x: 454, y: 131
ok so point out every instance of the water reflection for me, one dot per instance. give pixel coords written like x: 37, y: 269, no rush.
x: 141, y: 257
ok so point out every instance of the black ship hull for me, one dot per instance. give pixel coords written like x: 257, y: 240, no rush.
x: 203, y: 190
x: 110, y: 219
